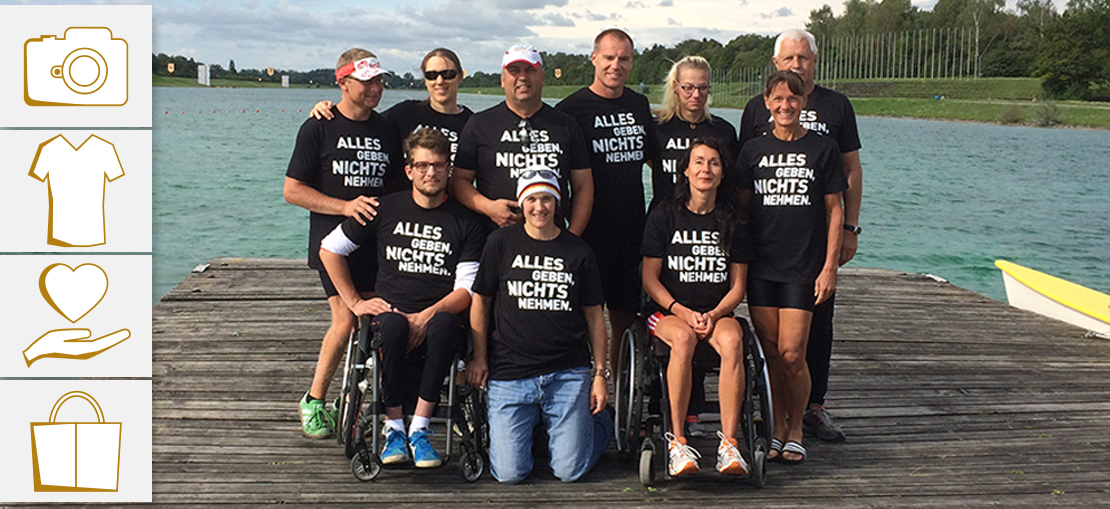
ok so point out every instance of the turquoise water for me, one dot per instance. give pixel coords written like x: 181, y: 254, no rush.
x: 939, y: 197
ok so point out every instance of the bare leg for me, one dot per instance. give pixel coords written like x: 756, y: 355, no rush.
x: 726, y: 339
x: 793, y: 334
x: 766, y: 322
x: 332, y: 348
x: 682, y: 340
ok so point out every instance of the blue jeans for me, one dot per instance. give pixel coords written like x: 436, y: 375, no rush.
x: 562, y: 400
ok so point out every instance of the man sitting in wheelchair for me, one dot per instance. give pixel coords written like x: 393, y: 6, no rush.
x: 428, y: 246
x: 695, y: 265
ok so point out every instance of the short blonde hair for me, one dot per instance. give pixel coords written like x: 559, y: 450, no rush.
x: 353, y: 55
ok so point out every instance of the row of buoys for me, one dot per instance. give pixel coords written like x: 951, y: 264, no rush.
x: 167, y: 112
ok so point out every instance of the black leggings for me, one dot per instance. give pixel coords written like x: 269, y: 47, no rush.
x: 437, y: 350
x: 819, y: 350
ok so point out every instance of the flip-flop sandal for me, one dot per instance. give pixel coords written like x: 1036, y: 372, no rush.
x: 792, y: 447
x: 776, y: 446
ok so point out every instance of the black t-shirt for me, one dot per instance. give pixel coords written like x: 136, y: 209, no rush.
x: 344, y: 158
x: 789, y: 227
x: 827, y: 112
x: 695, y: 268
x: 621, y: 136
x: 408, y: 116
x: 674, y: 137
x: 492, y: 145
x: 540, y: 290
x: 418, y: 249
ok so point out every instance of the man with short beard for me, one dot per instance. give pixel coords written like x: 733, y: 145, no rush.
x: 427, y: 247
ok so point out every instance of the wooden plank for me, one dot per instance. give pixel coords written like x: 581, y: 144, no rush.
x: 948, y: 398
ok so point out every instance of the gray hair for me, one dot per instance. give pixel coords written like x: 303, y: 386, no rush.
x: 795, y: 34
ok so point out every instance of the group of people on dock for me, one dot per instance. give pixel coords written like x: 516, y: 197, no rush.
x: 525, y: 222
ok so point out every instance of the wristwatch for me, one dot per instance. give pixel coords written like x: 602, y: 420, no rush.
x: 853, y: 228
x: 605, y: 373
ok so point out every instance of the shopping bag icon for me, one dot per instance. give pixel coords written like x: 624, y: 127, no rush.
x: 76, y: 456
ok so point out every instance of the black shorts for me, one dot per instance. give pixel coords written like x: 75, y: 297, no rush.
x: 363, y: 279
x: 620, y: 276
x: 773, y: 294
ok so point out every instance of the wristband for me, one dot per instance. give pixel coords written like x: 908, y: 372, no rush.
x: 673, y: 302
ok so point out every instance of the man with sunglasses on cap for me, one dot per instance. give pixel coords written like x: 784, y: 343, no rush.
x: 541, y: 285
x: 337, y: 170
x: 427, y: 248
x: 618, y: 124
x: 497, y: 144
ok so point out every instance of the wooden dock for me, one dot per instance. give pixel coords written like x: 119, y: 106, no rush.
x: 948, y: 398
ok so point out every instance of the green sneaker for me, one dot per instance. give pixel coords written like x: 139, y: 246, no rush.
x: 316, y: 421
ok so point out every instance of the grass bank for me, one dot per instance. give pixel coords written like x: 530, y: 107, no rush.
x: 1009, y: 101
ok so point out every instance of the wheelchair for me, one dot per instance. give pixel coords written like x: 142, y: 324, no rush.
x: 362, y: 410
x: 643, y: 408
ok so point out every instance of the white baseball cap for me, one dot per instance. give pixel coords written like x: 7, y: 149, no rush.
x: 522, y: 53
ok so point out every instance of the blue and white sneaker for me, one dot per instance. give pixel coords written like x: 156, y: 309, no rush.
x: 396, y: 449
x: 423, y: 454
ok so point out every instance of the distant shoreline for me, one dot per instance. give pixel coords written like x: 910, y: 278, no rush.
x: 1070, y: 114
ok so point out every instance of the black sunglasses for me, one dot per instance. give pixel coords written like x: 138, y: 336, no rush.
x: 448, y: 74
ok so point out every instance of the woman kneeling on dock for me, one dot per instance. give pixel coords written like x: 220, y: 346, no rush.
x: 542, y: 285
x: 796, y: 218
x: 695, y: 293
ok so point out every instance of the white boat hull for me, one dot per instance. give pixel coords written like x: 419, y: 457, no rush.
x: 1024, y: 297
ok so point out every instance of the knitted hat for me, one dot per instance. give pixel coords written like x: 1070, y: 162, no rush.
x: 537, y: 179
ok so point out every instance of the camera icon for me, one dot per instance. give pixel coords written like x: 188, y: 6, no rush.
x: 85, y: 67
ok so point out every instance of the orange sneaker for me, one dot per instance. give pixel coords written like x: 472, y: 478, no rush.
x: 683, y: 458
x: 729, y: 460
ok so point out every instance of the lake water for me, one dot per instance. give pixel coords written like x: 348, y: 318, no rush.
x: 939, y: 197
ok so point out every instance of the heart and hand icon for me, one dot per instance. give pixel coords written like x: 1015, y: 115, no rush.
x: 73, y: 293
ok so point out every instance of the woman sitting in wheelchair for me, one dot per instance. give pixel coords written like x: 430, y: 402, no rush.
x: 695, y: 265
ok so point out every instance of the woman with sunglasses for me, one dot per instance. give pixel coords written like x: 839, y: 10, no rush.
x: 441, y: 110
x: 792, y: 181
x: 696, y: 256
x: 685, y: 116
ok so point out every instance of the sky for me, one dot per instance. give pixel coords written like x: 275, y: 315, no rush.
x: 310, y: 34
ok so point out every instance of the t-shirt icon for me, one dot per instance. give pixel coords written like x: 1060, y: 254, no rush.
x: 76, y: 178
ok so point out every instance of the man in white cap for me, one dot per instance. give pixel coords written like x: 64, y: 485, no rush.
x: 499, y: 143
x: 337, y: 170
x: 542, y: 286
x: 618, y: 124
x: 828, y: 113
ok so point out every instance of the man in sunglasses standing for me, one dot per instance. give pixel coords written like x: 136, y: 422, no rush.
x: 337, y: 170
x: 619, y: 126
x: 427, y: 248
x: 498, y: 144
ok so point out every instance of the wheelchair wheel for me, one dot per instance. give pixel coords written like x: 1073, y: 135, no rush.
x: 759, y: 462
x: 345, y: 389
x: 365, y: 466
x: 647, y: 463
x: 471, y: 466
x: 628, y: 398
x: 352, y: 415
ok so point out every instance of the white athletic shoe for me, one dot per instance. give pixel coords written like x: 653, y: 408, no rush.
x: 729, y: 460
x: 683, y: 458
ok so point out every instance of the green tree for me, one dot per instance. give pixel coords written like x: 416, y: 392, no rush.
x: 1073, y: 57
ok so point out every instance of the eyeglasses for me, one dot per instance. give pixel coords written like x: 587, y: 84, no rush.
x: 547, y: 174
x: 425, y: 166
x: 448, y: 74
x: 689, y: 89
x: 526, y: 131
